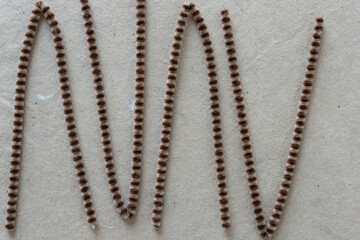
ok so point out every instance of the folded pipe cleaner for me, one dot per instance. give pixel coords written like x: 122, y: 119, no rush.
x: 190, y: 10
x: 267, y: 230
x: 128, y: 211
x: 42, y: 9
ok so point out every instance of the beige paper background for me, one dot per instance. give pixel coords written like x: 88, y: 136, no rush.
x: 272, y: 39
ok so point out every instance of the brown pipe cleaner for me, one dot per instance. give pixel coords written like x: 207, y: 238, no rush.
x: 125, y: 211
x: 190, y: 10
x: 267, y: 230
x: 43, y: 9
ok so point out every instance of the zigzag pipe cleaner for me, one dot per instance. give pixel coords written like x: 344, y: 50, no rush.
x: 126, y: 212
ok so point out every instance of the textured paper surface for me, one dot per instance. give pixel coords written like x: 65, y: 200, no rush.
x: 272, y: 39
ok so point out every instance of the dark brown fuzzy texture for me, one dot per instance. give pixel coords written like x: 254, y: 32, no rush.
x: 128, y: 211
x: 190, y: 10
x: 267, y: 230
x: 42, y: 9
